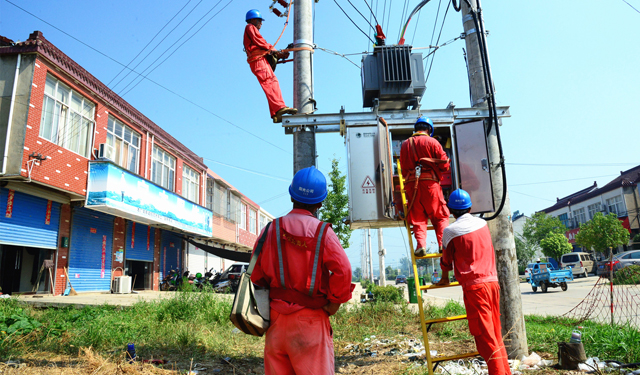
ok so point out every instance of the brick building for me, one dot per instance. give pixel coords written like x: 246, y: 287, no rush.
x: 91, y: 187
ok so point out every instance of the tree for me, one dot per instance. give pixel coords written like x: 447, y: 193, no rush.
x: 555, y: 244
x: 391, y: 273
x: 335, y: 207
x: 357, y: 274
x: 406, y: 267
x: 602, y: 232
x: 524, y: 252
x: 539, y: 226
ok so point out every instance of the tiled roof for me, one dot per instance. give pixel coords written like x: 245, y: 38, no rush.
x: 38, y: 44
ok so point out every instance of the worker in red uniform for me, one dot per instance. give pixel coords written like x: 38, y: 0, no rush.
x: 468, y: 250
x: 256, y: 48
x: 309, y: 276
x: 422, y: 159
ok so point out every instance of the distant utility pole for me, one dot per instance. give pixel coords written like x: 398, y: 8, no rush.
x: 513, y: 327
x: 370, y: 255
x: 304, y: 138
x: 381, y: 252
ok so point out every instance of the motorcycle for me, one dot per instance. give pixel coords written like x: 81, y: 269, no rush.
x: 171, y: 281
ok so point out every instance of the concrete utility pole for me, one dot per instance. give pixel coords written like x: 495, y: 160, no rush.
x: 513, y: 327
x: 382, y: 252
x: 304, y: 138
x: 363, y: 257
x: 370, y: 255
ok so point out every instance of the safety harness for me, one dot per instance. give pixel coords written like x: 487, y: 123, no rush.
x: 426, y: 169
x: 284, y: 292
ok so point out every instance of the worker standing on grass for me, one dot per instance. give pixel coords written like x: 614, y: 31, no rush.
x: 257, y: 50
x: 423, y: 159
x: 308, y: 275
x: 468, y: 250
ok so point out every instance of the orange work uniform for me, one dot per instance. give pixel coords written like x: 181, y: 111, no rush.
x: 256, y: 47
x: 429, y: 202
x: 300, y: 339
x: 469, y: 252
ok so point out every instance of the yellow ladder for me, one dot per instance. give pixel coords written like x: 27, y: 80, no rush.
x: 425, y: 325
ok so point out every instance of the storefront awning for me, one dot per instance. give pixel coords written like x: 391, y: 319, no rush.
x: 222, y: 253
x: 118, y: 192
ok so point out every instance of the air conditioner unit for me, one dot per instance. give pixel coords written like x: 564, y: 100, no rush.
x: 121, y: 285
x: 106, y: 151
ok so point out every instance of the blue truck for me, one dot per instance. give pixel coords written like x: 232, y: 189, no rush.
x: 544, y: 276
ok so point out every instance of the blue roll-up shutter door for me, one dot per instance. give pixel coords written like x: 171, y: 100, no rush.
x: 171, y: 252
x: 27, y: 224
x: 89, y: 229
x: 140, y: 233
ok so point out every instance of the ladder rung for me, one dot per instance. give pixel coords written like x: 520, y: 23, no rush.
x: 433, y: 286
x: 454, y: 357
x: 429, y: 256
x: 446, y: 319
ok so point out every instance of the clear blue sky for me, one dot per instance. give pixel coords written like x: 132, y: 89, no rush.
x: 568, y: 70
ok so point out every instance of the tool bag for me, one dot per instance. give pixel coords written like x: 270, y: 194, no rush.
x: 250, y: 310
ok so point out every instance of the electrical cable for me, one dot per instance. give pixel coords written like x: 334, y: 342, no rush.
x: 147, y: 45
x: 404, y: 13
x: 574, y: 165
x: 250, y: 171
x: 631, y: 6
x: 437, y: 41
x: 571, y: 179
x: 433, y: 32
x: 178, y: 47
x: 361, y: 15
x: 389, y: 16
x: 415, y: 10
x: 354, y: 24
x: 371, y: 10
x: 413, y: 38
x: 456, y: 7
x: 337, y: 54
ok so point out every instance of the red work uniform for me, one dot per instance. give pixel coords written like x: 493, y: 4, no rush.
x: 469, y: 252
x: 429, y: 202
x: 300, y: 339
x: 255, y: 46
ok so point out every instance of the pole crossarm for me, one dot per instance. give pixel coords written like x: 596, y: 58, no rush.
x: 332, y: 122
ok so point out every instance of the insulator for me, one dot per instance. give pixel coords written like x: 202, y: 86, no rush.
x: 283, y: 3
x: 276, y: 12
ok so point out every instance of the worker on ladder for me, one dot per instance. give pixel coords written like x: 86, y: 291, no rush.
x: 424, y: 160
x: 309, y: 276
x: 257, y: 50
x: 468, y: 250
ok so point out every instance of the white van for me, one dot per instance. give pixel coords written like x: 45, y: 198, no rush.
x: 580, y: 263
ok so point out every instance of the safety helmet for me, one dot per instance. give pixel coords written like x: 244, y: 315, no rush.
x: 459, y: 200
x: 424, y: 120
x: 309, y: 186
x: 198, y: 275
x: 253, y: 13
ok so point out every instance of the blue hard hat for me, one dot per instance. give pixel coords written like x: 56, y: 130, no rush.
x: 309, y: 186
x: 459, y: 200
x: 424, y: 120
x: 253, y: 13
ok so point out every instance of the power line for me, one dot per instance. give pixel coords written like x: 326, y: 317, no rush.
x: 631, y: 6
x: 354, y: 24
x: 433, y: 32
x: 573, y: 179
x: 574, y: 165
x: 365, y: 18
x: 544, y: 199
x: 150, y: 80
x: 337, y: 54
x: 371, y: 10
x: 437, y: 41
x: 152, y: 39
x: 249, y: 170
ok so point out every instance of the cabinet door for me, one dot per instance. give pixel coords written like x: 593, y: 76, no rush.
x: 473, y: 165
x: 384, y: 170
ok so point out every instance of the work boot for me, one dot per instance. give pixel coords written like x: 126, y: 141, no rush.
x: 285, y: 111
x: 420, y: 252
x: 276, y: 119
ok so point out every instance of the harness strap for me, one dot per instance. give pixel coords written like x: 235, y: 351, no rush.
x: 280, y: 262
x: 315, y: 259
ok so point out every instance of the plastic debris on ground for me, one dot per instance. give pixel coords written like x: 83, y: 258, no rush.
x: 532, y: 362
x: 594, y: 364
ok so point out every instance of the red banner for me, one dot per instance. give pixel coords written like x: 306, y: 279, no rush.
x: 10, y: 197
x: 571, y: 235
x: 104, y: 255
x: 164, y: 261
x: 148, y: 236
x: 47, y: 218
x: 133, y: 234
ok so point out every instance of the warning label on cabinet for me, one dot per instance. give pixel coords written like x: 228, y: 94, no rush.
x: 368, y: 187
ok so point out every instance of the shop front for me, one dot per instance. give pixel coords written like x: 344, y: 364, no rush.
x: 139, y: 249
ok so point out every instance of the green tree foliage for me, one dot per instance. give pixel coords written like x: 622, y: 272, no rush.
x: 602, y: 232
x: 554, y: 245
x: 391, y: 273
x: 406, y: 268
x: 336, y: 207
x: 539, y: 226
x: 524, y: 252
x: 357, y: 274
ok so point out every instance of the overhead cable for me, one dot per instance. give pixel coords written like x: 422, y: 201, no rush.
x: 631, y: 6
x: 437, y: 41
x: 361, y: 15
x: 354, y: 24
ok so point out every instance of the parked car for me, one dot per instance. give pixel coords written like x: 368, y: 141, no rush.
x: 619, y: 261
x: 233, y: 274
x: 580, y: 263
x: 401, y: 279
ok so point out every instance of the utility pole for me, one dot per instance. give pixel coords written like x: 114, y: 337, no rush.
x: 370, y: 255
x: 363, y: 257
x: 513, y: 327
x: 304, y: 138
x: 382, y: 252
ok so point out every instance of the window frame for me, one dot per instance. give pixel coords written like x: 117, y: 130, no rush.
x: 191, y: 183
x: 617, y: 200
x: 154, y: 160
x: 129, y: 144
x: 243, y: 215
x: 69, y: 120
x: 253, y: 221
x: 593, y: 209
x: 580, y: 216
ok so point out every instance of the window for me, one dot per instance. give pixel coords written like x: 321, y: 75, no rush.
x: 190, y: 183
x: 564, y: 218
x: 67, y: 118
x: 126, y: 143
x: 635, y: 255
x: 593, y: 208
x: 252, y: 221
x: 163, y: 169
x: 615, y: 205
x: 210, y: 193
x: 263, y: 221
x: 233, y: 212
x: 243, y: 216
x: 580, y: 216
x: 220, y: 200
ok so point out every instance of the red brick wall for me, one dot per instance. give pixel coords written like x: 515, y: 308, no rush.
x: 64, y: 229
x: 223, y: 229
x: 156, y: 259
x: 119, y: 229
